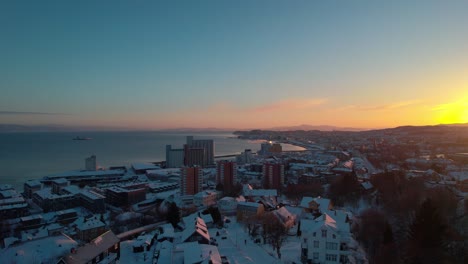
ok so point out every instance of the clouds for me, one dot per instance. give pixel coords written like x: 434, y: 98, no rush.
x: 460, y: 104
x: 395, y: 105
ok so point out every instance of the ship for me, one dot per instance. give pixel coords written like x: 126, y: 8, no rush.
x: 82, y: 138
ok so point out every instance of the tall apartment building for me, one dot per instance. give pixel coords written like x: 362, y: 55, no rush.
x: 207, y: 145
x: 245, y: 157
x: 226, y: 174
x: 273, y: 175
x: 90, y: 163
x: 194, y: 156
x: 174, y: 157
x: 269, y: 148
x: 191, y: 179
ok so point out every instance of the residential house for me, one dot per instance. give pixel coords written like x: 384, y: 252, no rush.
x: 196, y: 231
x: 248, y: 210
x: 326, y: 239
x: 105, y: 248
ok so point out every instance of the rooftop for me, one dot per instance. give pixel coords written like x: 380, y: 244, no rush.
x: 145, y: 166
x: 94, y: 248
x: 45, y: 250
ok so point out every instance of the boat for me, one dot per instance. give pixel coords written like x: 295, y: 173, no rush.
x: 81, y: 138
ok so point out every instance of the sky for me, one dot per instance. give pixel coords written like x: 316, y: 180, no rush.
x: 233, y: 64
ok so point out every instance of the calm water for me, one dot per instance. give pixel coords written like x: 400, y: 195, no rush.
x: 34, y: 155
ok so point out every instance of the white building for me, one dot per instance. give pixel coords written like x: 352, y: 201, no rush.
x: 245, y: 157
x: 205, y: 198
x: 228, y: 205
x: 327, y: 239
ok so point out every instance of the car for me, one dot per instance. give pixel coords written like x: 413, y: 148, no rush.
x: 224, y: 237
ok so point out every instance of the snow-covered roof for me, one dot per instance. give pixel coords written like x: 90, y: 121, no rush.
x: 198, y: 227
x: 92, y: 195
x: 167, y: 231
x: 54, y: 226
x: 46, y: 193
x: 323, y: 202
x: 9, y: 241
x: 143, y: 240
x: 9, y: 193
x: 33, y: 183
x: 335, y: 220
x: 13, y: 200
x: 284, y: 215
x: 342, y: 169
x: 67, y: 211
x: 198, y: 253
x: 207, y: 218
x: 45, y: 250
x: 165, y: 253
x: 72, y: 189
x: 86, y: 224
x: 145, y: 166
x: 4, y: 187
x: 204, y: 194
x: 60, y: 181
x: 167, y: 171
x: 312, y: 175
x: 228, y: 199
x: 248, y: 204
x: 30, y: 218
x: 260, y: 192
x: 85, y: 173
x: 94, y: 248
x: 302, y: 165
x: 314, y: 225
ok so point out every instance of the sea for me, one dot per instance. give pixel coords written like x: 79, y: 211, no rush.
x: 33, y: 155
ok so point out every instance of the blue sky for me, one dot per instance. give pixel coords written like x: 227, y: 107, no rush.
x: 154, y: 64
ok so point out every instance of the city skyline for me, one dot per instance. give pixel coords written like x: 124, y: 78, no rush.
x: 262, y: 64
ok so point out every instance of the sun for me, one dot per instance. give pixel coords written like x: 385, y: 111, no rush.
x: 455, y: 112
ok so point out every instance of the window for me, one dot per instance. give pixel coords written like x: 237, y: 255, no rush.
x: 316, y: 244
x: 331, y: 257
x: 324, y: 233
x: 305, y: 240
x: 316, y: 255
x: 332, y: 246
x: 334, y: 236
x: 315, y: 233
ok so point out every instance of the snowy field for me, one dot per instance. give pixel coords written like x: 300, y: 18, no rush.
x: 240, y: 248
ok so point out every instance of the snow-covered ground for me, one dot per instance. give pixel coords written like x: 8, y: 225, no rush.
x: 239, y: 247
x: 127, y: 255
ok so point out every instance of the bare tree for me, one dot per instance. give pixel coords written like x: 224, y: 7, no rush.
x: 274, y: 232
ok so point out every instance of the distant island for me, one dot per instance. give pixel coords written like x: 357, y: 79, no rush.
x: 82, y: 138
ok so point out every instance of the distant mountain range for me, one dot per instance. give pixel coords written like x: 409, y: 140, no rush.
x: 320, y: 127
x: 11, y: 128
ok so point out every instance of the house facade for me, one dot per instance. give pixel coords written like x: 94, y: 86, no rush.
x: 325, y: 241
